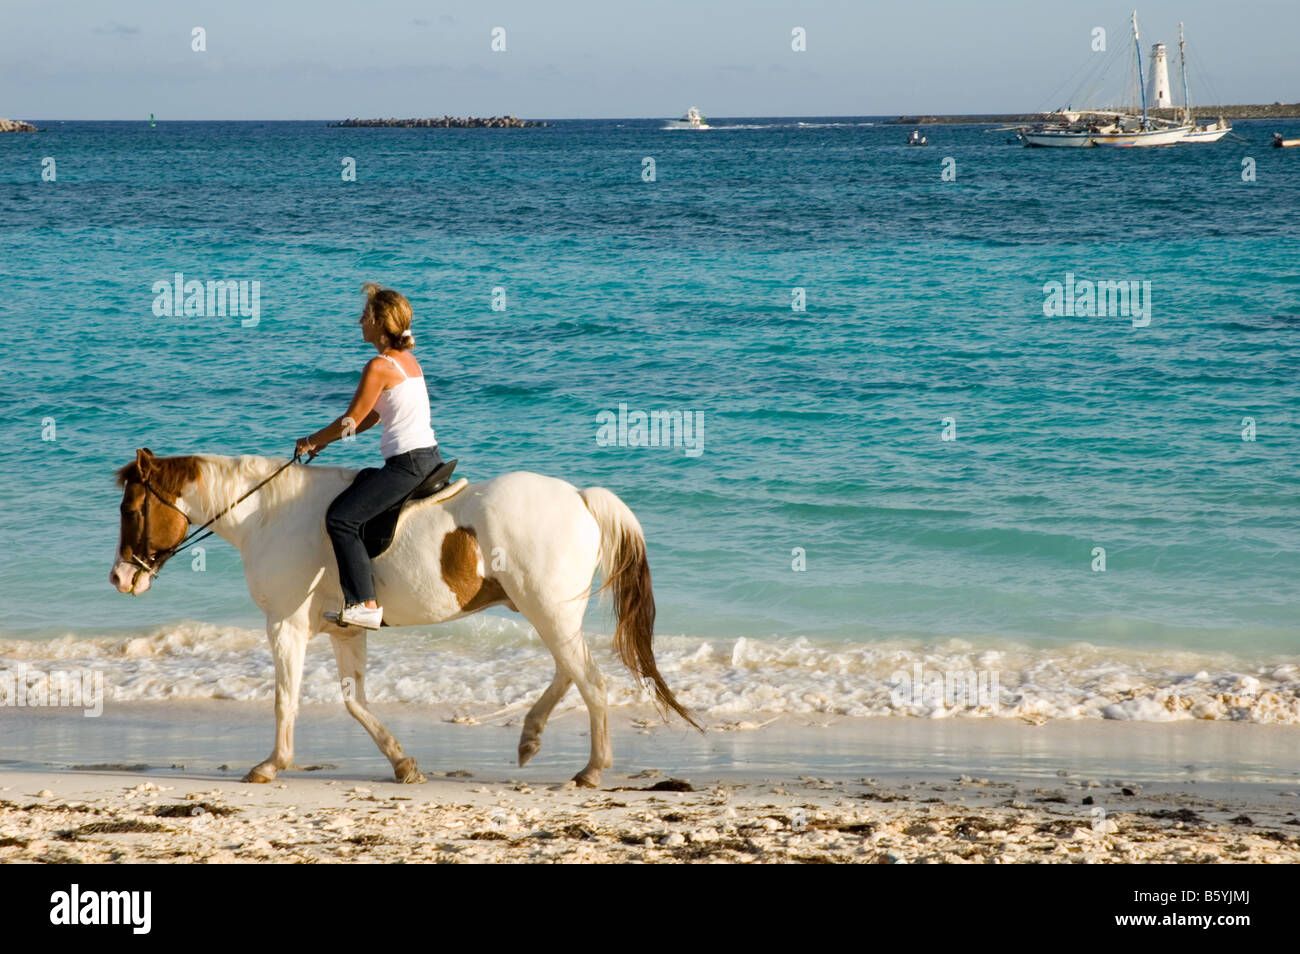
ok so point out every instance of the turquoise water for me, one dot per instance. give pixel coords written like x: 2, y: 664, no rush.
x: 822, y: 428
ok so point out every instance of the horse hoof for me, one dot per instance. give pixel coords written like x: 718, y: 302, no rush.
x: 407, y: 772
x: 527, y: 749
x: 585, y: 779
x: 257, y: 776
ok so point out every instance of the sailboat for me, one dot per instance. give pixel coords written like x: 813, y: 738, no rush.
x: 1200, y: 132
x: 1098, y: 127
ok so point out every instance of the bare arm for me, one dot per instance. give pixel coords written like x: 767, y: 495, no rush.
x: 374, y: 378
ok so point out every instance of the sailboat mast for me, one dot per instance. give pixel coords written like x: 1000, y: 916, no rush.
x: 1182, y: 69
x: 1141, y: 85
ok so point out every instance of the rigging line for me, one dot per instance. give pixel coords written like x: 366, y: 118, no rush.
x: 1094, y: 70
x: 1203, y: 80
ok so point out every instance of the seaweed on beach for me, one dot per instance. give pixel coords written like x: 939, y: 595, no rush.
x: 38, y: 807
x: 972, y: 826
x: 1280, y: 837
x: 189, y: 809
x: 862, y: 828
x: 667, y: 785
x: 108, y: 828
x: 1185, y: 815
x: 112, y: 767
x: 920, y: 830
x: 1063, y: 828
x: 695, y: 851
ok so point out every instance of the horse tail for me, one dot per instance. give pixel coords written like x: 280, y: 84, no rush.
x: 625, y: 570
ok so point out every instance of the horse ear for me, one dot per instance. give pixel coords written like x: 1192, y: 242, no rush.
x: 144, y: 461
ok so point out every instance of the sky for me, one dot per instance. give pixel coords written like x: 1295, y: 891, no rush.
x: 575, y: 59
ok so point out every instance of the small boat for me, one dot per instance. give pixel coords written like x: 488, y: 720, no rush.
x: 1062, y: 134
x: 916, y: 139
x: 1208, y: 132
x: 693, y: 119
x: 1281, y: 143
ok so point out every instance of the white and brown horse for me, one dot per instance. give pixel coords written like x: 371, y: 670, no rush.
x: 548, y: 537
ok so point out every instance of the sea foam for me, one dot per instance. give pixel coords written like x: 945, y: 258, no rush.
x: 489, y: 662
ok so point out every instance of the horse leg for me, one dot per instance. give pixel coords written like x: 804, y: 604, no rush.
x: 530, y: 740
x: 288, y: 648
x: 350, y: 654
x: 561, y: 630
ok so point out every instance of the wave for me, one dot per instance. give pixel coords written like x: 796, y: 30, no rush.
x: 497, y: 662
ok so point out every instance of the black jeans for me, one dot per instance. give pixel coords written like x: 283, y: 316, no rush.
x: 373, y: 491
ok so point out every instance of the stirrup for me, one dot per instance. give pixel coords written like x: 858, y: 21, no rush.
x: 358, y: 615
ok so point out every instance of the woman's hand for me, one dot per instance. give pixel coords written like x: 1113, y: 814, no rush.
x: 305, y: 446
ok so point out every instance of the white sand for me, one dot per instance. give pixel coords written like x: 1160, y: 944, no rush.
x: 122, y: 817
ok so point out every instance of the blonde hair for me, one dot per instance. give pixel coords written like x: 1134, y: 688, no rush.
x: 393, y: 312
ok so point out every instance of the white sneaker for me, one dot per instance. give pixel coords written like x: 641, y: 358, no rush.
x: 359, y: 614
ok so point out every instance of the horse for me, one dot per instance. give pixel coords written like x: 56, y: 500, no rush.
x: 547, y: 537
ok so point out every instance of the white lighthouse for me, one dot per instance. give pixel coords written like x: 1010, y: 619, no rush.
x: 1158, y: 84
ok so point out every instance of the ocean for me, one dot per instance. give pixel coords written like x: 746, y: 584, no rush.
x: 901, y: 455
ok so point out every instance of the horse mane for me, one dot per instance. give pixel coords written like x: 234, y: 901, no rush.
x: 222, y: 479
x: 219, y: 479
x: 171, y: 474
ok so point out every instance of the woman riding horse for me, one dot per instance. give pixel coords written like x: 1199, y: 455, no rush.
x: 392, y: 392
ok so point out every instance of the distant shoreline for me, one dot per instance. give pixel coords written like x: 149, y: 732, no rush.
x: 445, y: 122
x: 1273, y: 111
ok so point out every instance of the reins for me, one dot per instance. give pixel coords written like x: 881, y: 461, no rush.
x: 162, y: 556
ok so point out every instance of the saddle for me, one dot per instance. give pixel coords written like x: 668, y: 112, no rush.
x: 377, y: 532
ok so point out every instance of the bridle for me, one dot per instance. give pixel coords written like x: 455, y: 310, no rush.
x: 153, y: 564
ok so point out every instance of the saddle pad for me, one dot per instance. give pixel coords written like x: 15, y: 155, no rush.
x: 377, y: 532
x: 446, y: 492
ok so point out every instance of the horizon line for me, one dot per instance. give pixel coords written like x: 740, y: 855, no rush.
x: 308, y: 119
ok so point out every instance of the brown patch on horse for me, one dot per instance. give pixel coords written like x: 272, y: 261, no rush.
x: 168, y: 474
x: 461, y: 559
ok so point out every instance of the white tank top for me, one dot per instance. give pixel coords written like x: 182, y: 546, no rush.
x: 404, y: 411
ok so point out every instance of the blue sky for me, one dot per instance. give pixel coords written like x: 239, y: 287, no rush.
x: 327, y: 59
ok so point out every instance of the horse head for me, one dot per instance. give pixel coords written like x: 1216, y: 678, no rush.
x: 152, y: 522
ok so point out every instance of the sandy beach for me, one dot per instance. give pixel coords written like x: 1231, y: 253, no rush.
x: 122, y: 817
x: 972, y: 791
